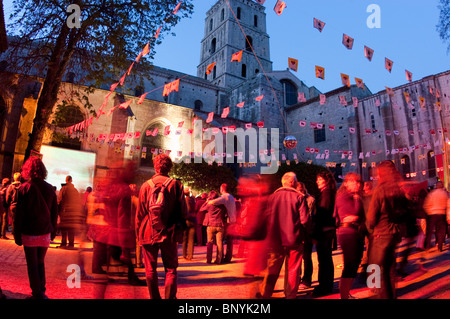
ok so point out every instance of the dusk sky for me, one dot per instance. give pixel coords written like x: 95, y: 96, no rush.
x: 407, y: 36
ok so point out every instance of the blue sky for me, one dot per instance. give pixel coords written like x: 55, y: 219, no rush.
x: 407, y: 36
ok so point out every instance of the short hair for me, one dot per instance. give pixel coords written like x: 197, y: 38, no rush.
x: 224, y: 186
x: 34, y: 168
x: 387, y: 172
x: 212, y: 195
x: 17, y: 176
x: 5, y: 181
x: 68, y: 178
x: 162, y: 164
x: 439, y: 184
x: 289, y: 179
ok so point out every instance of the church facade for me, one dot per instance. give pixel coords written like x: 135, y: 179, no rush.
x: 231, y: 97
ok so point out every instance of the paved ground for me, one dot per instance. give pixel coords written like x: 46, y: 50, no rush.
x: 197, y: 280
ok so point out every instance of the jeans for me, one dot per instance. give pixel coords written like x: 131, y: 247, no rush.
x: 382, y: 253
x: 36, y: 270
x: 293, y: 257
x: 188, y: 240
x: 217, y: 233
x: 169, y: 255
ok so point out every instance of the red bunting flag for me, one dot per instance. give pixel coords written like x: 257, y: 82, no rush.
x: 368, y: 53
x: 279, y: 7
x: 146, y: 49
x: 301, y: 97
x: 237, y: 56
x: 359, y: 83
x: 319, y: 25
x: 210, y: 117
x: 177, y: 8
x: 129, y: 69
x: 225, y: 112
x: 408, y: 75
x: 347, y: 41
x: 210, y: 68
x: 122, y: 79
x: 260, y: 124
x: 141, y: 98
x: 388, y: 64
x: 158, y: 32
x: 345, y: 79
x: 259, y: 98
x: 113, y: 86
x: 240, y: 104
x: 320, y: 72
x: 293, y: 64
x: 170, y: 87
x: 167, y: 130
x: 125, y: 105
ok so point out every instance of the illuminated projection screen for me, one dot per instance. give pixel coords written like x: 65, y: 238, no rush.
x: 61, y: 162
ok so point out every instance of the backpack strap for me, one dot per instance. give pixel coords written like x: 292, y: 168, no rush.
x: 165, y: 184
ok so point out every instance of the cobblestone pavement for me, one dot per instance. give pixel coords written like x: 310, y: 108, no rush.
x: 429, y: 277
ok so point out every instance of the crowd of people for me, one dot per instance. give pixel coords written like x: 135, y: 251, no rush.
x: 273, y: 227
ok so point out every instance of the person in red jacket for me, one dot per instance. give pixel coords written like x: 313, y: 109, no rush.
x: 161, y: 232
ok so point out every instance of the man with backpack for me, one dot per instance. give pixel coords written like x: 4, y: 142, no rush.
x: 160, y: 222
x: 11, y: 196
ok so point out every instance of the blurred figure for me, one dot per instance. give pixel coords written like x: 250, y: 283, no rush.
x: 227, y: 200
x: 112, y: 225
x: 308, y: 244
x: 254, y: 192
x: 134, y: 206
x: 11, y: 196
x: 435, y: 206
x: 215, y: 221
x: 387, y: 210
x: 4, y: 218
x: 366, y: 198
x: 71, y: 216
x: 167, y: 218
x: 200, y: 215
x: 35, y: 222
x: 350, y: 221
x: 287, y: 219
x: 325, y: 232
x: 189, y: 232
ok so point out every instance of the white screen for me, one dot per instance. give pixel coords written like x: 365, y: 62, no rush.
x: 61, y: 162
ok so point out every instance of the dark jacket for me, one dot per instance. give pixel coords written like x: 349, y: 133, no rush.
x: 173, y: 220
x: 324, y: 211
x: 347, y: 205
x: 215, y: 216
x: 35, y: 214
x: 387, y: 210
x: 11, y: 195
x: 288, y: 213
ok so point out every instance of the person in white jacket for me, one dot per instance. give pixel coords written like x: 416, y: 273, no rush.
x: 435, y: 206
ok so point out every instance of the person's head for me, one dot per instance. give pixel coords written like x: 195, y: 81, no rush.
x: 162, y: 164
x: 212, y: 195
x: 5, y: 182
x: 68, y: 179
x: 17, y: 176
x: 368, y: 187
x: 34, y: 168
x: 88, y: 189
x: 387, y: 172
x: 289, y: 180
x: 352, y: 182
x: 204, y: 196
x: 439, y: 184
x: 224, y: 188
x: 325, y: 179
x: 302, y: 188
x: 186, y: 191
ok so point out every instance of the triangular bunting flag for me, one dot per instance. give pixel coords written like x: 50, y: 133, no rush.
x: 408, y: 75
x: 237, y: 56
x: 259, y: 98
x: 345, y: 79
x: 210, y: 68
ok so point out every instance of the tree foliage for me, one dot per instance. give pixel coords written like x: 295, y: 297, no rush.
x: 204, y: 177
x: 110, y: 36
x: 443, y: 26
